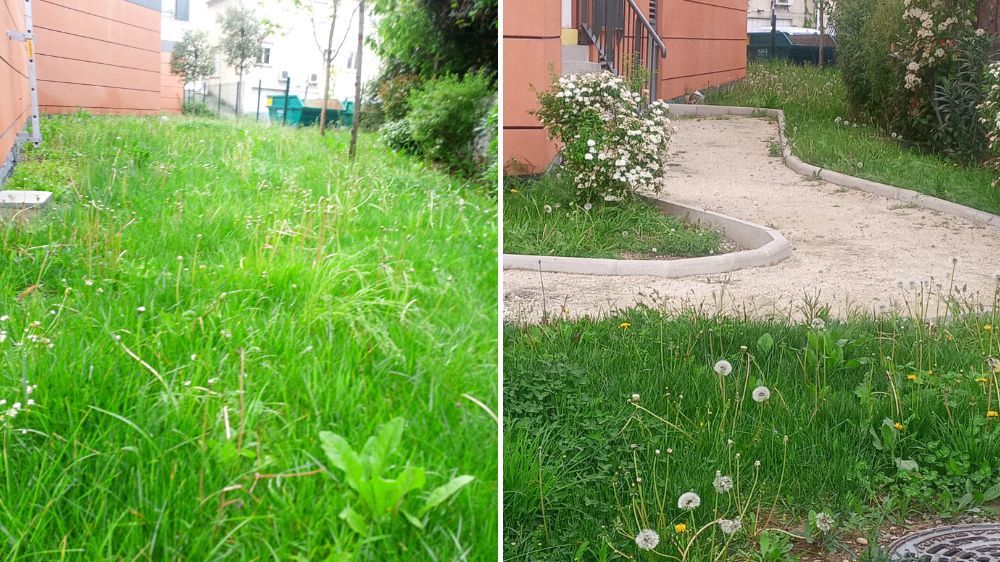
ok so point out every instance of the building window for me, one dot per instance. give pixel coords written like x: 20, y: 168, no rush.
x: 265, y: 56
x: 182, y: 10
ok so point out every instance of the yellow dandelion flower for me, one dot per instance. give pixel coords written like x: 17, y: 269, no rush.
x: 513, y: 190
x: 987, y: 327
x: 982, y: 379
x: 898, y: 426
x: 911, y: 377
x: 992, y: 414
x: 680, y: 528
x: 625, y: 325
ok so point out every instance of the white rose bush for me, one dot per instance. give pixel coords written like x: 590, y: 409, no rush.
x: 614, y: 146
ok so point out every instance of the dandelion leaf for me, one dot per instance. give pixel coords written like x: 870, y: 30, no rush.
x: 343, y: 457
x: 380, y: 446
x: 354, y: 520
x: 441, y: 494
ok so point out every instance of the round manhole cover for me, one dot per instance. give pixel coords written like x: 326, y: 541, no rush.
x: 973, y: 543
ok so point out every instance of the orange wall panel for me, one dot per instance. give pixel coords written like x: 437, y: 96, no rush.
x: 532, y: 18
x: 14, y: 99
x: 63, y: 95
x: 98, y: 55
x: 54, y: 16
x: 706, y: 44
x: 56, y: 43
x: 527, y: 151
x: 530, y: 66
x: 114, y: 10
x: 171, y: 87
x: 61, y: 70
x: 532, y: 58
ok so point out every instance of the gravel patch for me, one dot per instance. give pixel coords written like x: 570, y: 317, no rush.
x: 853, y: 251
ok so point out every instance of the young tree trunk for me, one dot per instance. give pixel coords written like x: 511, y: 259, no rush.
x: 822, y: 35
x: 988, y: 16
x: 357, y: 79
x: 239, y: 84
x: 326, y: 72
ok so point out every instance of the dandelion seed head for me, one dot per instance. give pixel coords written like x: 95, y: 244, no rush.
x: 723, y: 367
x: 761, y: 394
x: 647, y: 539
x: 722, y: 484
x: 824, y: 522
x: 689, y: 501
x: 730, y: 526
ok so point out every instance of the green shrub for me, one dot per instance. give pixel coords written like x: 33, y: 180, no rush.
x: 489, y: 154
x: 443, y: 117
x: 197, y: 109
x: 398, y: 136
x: 991, y: 117
x: 959, y: 129
x: 873, y: 79
x: 393, y: 93
x: 915, y: 68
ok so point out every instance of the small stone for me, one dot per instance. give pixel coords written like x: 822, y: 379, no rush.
x: 862, y: 541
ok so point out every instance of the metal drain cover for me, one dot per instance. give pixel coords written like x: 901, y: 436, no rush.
x: 972, y: 543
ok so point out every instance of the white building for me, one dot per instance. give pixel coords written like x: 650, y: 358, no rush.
x: 788, y: 13
x: 292, y: 55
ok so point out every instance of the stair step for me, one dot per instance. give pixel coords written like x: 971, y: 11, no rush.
x: 579, y: 67
x: 576, y: 52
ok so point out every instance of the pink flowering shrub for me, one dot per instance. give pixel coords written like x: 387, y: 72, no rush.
x: 613, y: 146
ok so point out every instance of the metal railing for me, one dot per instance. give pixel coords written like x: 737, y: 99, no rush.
x: 626, y: 42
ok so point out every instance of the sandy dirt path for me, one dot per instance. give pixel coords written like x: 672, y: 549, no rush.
x: 852, y: 249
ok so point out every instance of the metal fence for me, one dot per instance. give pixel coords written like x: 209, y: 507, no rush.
x: 220, y: 98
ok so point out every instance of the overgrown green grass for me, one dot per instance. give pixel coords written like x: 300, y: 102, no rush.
x: 203, y: 299
x: 542, y: 218
x: 814, y: 98
x: 608, y: 422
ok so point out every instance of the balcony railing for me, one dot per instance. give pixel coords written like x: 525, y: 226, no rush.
x: 626, y: 42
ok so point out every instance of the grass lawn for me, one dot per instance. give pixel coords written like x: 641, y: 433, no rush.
x: 542, y: 218
x: 608, y: 423
x: 814, y: 98
x: 206, y: 297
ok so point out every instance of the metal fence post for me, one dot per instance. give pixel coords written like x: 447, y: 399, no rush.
x: 260, y: 83
x: 284, y: 114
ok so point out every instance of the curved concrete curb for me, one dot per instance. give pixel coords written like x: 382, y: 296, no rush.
x: 766, y: 247
x: 843, y: 180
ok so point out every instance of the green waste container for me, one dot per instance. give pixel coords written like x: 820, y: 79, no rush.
x: 347, y: 115
x: 310, y: 116
x: 276, y: 110
x: 795, y: 47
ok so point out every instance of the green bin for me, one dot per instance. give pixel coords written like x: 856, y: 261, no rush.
x: 347, y: 115
x: 310, y: 116
x: 276, y: 109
